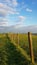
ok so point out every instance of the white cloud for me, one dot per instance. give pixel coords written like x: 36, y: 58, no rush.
x: 18, y: 26
x: 4, y: 10
x: 20, y: 22
x: 3, y: 22
x: 8, y: 1
x: 1, y: 5
x: 29, y: 10
x: 22, y: 18
x: 14, y: 3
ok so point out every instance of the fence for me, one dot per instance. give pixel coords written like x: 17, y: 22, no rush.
x: 16, y: 37
x: 31, y: 47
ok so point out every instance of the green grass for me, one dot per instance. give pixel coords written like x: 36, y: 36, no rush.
x: 13, y: 54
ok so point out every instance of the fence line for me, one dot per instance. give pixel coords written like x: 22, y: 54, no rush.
x: 16, y: 36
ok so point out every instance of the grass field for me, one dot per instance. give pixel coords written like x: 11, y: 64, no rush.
x: 14, y: 49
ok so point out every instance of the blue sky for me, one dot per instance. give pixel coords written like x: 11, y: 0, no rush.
x: 18, y: 12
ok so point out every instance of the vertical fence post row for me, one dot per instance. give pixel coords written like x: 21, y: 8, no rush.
x: 31, y: 47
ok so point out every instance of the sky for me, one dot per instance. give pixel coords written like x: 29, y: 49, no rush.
x: 18, y: 12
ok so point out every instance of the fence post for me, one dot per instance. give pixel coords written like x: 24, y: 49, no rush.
x: 31, y: 47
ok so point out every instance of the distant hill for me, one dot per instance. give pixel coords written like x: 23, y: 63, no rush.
x: 14, y: 29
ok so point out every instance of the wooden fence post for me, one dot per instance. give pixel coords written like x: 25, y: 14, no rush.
x: 31, y: 47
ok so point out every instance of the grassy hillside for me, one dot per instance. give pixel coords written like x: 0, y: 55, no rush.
x: 13, y: 54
